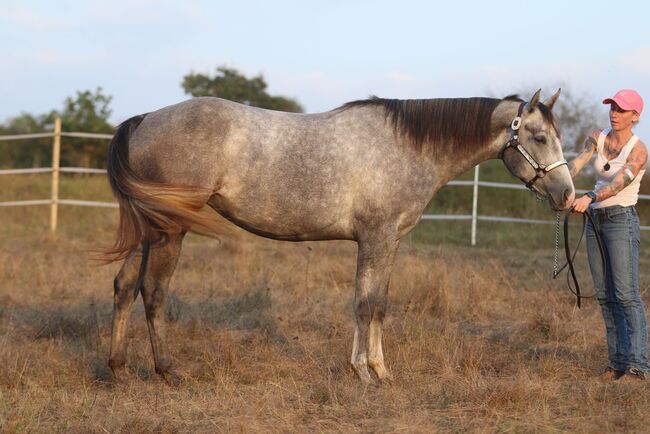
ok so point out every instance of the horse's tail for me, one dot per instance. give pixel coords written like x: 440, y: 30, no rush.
x: 151, y: 211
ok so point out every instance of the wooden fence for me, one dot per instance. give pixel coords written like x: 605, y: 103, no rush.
x: 55, y: 201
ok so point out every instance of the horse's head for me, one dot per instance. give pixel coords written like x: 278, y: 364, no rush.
x: 534, y: 153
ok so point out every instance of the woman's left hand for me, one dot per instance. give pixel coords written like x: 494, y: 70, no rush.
x: 581, y: 204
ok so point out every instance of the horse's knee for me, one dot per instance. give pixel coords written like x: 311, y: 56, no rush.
x: 370, y: 308
x: 379, y: 312
x: 363, y: 310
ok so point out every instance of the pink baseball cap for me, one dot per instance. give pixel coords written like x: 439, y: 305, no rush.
x: 627, y: 99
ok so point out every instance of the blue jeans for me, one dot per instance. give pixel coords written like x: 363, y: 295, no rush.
x: 618, y: 295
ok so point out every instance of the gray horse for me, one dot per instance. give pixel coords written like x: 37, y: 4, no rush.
x: 364, y: 172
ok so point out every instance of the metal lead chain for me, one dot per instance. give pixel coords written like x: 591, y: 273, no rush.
x: 557, y: 243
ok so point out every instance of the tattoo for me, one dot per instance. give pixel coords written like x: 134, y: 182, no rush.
x: 576, y: 165
x: 591, y: 144
x: 620, y: 181
x: 628, y: 176
x: 636, y: 162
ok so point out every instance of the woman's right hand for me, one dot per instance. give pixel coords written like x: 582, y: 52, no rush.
x: 581, y: 204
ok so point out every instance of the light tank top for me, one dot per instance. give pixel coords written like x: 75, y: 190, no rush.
x: 630, y: 194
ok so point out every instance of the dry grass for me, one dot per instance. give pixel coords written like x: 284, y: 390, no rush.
x: 478, y: 339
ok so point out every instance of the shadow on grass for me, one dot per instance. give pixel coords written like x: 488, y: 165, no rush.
x: 80, y: 327
x: 85, y: 322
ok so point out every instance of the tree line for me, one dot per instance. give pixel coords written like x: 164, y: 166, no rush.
x: 89, y: 111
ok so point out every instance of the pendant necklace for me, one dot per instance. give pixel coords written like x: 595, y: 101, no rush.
x: 606, y: 167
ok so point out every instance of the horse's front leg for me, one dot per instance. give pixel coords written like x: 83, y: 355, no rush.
x: 374, y: 263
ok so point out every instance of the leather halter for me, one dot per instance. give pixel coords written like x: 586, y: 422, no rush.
x: 540, y: 169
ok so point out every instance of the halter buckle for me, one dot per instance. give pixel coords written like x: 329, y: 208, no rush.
x: 516, y: 123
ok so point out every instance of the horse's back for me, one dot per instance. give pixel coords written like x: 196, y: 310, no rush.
x: 282, y: 175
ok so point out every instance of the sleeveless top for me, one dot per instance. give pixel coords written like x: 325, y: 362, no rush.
x: 630, y: 194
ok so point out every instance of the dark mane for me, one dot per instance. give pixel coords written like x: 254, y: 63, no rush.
x: 455, y: 124
x: 445, y: 125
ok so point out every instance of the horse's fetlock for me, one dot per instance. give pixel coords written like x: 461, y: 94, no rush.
x: 163, y: 367
x: 116, y: 363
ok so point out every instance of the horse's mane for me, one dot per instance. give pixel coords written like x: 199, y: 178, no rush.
x: 443, y: 125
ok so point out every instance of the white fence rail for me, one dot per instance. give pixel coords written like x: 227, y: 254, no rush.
x: 55, y: 170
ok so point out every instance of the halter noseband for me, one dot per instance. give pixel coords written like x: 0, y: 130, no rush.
x: 540, y: 169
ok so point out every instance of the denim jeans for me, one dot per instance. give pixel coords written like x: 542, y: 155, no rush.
x: 618, y: 295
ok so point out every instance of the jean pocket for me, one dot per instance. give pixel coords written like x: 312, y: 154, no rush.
x: 622, y: 215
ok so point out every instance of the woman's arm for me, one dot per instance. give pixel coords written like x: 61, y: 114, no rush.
x: 576, y: 165
x: 636, y: 161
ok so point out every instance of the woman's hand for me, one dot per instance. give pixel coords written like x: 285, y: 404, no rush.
x: 581, y: 204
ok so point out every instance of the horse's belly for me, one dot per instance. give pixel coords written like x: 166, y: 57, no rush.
x: 288, y: 221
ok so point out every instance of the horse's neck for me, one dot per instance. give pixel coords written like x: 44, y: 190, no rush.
x: 502, y: 118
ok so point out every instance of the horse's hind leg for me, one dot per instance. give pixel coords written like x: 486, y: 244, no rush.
x: 162, y: 263
x: 375, y: 259
x: 125, y: 294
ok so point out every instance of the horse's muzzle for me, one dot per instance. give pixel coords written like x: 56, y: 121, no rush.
x: 563, y: 200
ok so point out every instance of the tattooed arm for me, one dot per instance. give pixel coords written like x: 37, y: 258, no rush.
x: 636, y: 162
x: 576, y: 165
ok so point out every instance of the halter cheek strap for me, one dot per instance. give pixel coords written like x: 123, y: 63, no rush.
x: 540, y: 169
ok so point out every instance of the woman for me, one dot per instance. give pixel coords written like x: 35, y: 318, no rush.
x: 620, y: 164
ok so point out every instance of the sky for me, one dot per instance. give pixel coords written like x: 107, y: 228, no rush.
x: 322, y: 53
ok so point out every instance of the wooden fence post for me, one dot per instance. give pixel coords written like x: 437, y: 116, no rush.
x: 475, y: 205
x: 56, y: 153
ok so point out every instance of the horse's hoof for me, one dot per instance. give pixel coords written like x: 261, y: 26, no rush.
x: 119, y: 375
x: 364, y: 375
x: 383, y: 374
x: 171, y: 378
x: 386, y: 380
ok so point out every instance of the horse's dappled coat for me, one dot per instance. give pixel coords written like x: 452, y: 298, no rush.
x: 362, y: 172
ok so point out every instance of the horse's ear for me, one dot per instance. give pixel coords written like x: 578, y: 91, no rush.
x: 534, y: 100
x: 551, y: 101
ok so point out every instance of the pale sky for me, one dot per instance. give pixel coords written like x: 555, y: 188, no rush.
x: 323, y: 53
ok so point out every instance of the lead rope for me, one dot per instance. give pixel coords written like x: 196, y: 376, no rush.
x: 557, y: 244
x: 571, y: 274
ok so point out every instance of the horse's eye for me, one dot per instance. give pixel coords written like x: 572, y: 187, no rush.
x: 541, y: 140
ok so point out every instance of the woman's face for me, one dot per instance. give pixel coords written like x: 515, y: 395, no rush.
x: 622, y: 119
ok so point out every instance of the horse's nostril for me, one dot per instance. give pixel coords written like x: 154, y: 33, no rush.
x: 567, y: 194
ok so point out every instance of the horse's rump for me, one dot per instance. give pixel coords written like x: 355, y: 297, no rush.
x: 149, y: 210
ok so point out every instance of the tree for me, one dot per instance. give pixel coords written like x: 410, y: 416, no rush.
x: 228, y: 83
x: 87, y: 112
x: 577, y: 116
x: 29, y: 152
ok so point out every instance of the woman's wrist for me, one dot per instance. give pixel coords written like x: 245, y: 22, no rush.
x: 591, y: 195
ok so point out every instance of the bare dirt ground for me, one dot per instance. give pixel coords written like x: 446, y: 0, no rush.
x: 478, y: 339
